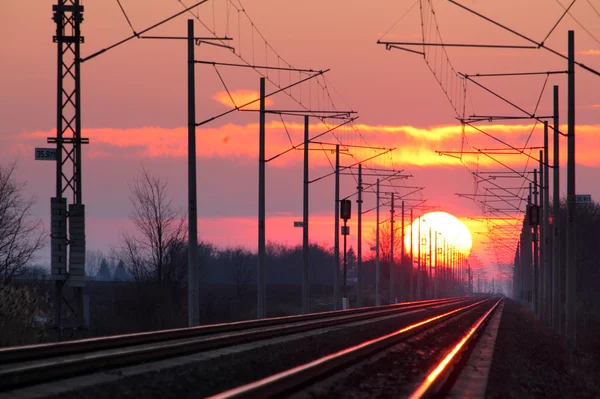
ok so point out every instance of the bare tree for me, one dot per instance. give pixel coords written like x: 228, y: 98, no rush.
x: 20, y: 237
x: 385, y: 242
x: 156, y: 247
x: 240, y: 268
x: 93, y: 258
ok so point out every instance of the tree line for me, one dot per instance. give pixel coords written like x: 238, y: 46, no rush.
x: 150, y: 267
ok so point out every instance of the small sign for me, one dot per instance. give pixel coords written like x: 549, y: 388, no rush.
x: 583, y: 198
x: 345, y: 230
x: 298, y: 224
x: 45, y: 154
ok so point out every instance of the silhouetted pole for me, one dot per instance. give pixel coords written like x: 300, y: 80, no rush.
x: 556, y: 263
x: 193, y: 282
x: 448, y: 259
x: 412, y: 258
x: 430, y: 285
x: 445, y: 275
x: 451, y: 271
x: 377, y: 267
x: 344, y: 285
x: 392, y: 268
x: 528, y: 256
x: 547, y: 234
x: 402, y: 266
x: 542, y: 265
x: 359, y: 238
x: 437, y: 269
x: 470, y: 284
x: 261, y: 205
x: 571, y: 285
x: 459, y: 271
x: 536, y: 292
x: 419, y: 277
x: 336, y: 240
x: 305, y: 287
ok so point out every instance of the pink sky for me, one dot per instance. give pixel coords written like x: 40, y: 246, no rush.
x: 134, y: 106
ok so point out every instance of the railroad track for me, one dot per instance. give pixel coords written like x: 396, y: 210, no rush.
x: 302, y: 378
x: 35, y: 364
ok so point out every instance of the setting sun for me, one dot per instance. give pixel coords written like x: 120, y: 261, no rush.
x: 451, y: 233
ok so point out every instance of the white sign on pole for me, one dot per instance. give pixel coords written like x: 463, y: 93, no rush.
x: 45, y: 154
x: 583, y: 198
x: 298, y: 224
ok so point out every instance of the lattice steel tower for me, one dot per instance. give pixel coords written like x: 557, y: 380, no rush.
x: 68, y: 222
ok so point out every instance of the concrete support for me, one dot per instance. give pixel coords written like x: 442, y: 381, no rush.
x: 391, y: 260
x: 305, y: 286
x: 359, y: 239
x: 193, y: 280
x: 261, y: 307
x: 556, y: 239
x: 377, y: 266
x: 336, y: 240
x: 571, y: 232
x: 547, y: 234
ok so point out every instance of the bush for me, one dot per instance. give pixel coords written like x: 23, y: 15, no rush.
x: 22, y: 315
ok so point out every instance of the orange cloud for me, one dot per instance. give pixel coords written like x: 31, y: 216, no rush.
x: 413, y: 146
x: 590, y: 52
x: 240, y: 97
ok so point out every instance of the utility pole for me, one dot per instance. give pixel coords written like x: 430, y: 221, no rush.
x: 402, y: 266
x: 359, y: 238
x: 305, y: 287
x: 536, y: 292
x: 451, y: 271
x: 445, y: 267
x: 377, y: 271
x: 526, y: 252
x: 261, y: 205
x: 392, y: 268
x: 556, y: 263
x: 336, y: 240
x: 437, y: 269
x: 345, y: 206
x: 470, y: 285
x: 430, y: 285
x: 541, y: 246
x: 419, y: 277
x: 193, y: 282
x: 412, y: 258
x: 571, y: 280
x: 547, y: 235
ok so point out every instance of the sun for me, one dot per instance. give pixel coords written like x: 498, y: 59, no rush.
x: 451, y: 234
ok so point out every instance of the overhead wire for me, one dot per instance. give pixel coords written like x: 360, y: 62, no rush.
x: 126, y: 17
x: 577, y: 22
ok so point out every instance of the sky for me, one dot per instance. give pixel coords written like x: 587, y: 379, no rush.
x: 134, y: 100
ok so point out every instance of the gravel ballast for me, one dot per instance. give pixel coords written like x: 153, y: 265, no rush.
x: 228, y: 371
x: 399, y: 370
x: 530, y: 361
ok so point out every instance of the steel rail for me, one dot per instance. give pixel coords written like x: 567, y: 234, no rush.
x: 29, y: 373
x: 298, y: 377
x: 41, y: 351
x: 438, y: 377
